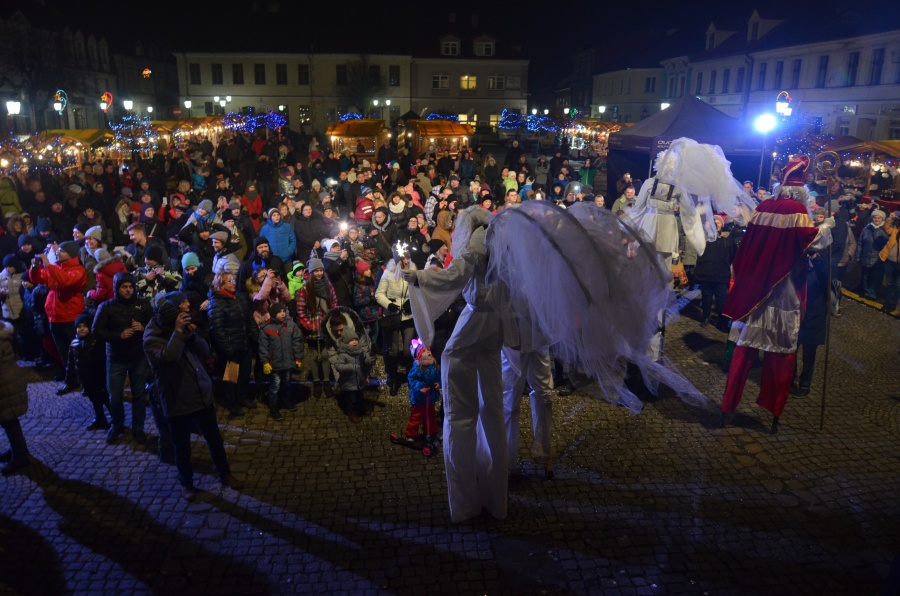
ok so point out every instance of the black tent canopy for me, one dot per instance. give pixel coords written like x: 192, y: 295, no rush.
x: 633, y: 149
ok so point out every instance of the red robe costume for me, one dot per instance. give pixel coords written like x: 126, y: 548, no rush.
x: 769, y: 295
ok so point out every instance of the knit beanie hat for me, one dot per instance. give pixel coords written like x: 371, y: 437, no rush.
x: 25, y: 239
x: 234, y: 205
x: 273, y: 210
x: 82, y: 227
x: 259, y: 241
x: 328, y: 243
x: 362, y: 267
x: 349, y: 335
x: 297, y: 267
x: 435, y: 245
x: 878, y: 212
x: 95, y: 232
x: 190, y: 259
x: 12, y: 261
x: 155, y: 253
x: 71, y: 248
x: 206, y: 205
x: 84, y: 319
x: 167, y: 307
x: 314, y: 264
x: 43, y: 224
x: 276, y: 308
x: 220, y: 236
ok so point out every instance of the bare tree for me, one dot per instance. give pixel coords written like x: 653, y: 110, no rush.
x: 28, y: 63
x: 363, y: 83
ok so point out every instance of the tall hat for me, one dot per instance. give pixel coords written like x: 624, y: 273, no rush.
x: 793, y: 178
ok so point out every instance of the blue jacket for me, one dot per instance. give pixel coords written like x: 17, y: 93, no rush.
x: 419, y: 378
x: 282, y: 240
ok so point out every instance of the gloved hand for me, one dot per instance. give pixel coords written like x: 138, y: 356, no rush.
x: 407, y: 308
x: 393, y: 307
x: 298, y: 363
x: 410, y: 276
x: 267, y: 369
x: 67, y: 389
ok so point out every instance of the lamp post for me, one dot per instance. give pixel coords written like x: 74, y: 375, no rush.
x: 128, y: 104
x: 764, y: 124
x: 601, y: 110
x: 12, y: 110
x: 187, y: 105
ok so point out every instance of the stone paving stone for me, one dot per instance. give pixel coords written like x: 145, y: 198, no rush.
x: 661, y: 502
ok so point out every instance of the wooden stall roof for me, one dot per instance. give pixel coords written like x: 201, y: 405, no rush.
x: 355, y: 128
x: 442, y: 128
x: 889, y: 147
x: 86, y: 136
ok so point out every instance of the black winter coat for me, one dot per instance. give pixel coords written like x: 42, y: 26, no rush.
x: 177, y: 363
x: 228, y: 325
x: 113, y: 317
x: 812, y: 327
x: 86, y: 365
x: 714, y: 265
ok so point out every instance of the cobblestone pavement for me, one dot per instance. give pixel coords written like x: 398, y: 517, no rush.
x: 664, y: 502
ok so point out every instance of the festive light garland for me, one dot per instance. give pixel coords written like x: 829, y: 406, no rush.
x: 436, y: 116
x: 36, y: 152
x: 350, y: 116
x: 134, y: 132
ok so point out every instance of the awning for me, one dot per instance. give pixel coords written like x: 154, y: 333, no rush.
x: 166, y: 125
x: 441, y: 128
x: 356, y: 128
x: 85, y: 136
x: 891, y: 148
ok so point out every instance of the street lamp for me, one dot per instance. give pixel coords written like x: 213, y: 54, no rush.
x: 128, y: 104
x: 601, y: 110
x: 187, y: 105
x: 534, y: 111
x: 764, y: 124
x: 663, y: 106
x: 149, y: 109
x: 546, y: 111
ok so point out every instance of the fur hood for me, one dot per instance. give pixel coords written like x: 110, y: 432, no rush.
x: 106, y: 259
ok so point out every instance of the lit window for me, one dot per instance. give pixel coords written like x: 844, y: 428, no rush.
x: 468, y: 82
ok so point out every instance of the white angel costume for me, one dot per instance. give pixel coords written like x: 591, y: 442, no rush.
x: 697, y: 178
x: 475, y: 448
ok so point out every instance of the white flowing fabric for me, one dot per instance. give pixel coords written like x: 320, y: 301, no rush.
x: 534, y: 367
x: 475, y: 444
x: 591, y: 287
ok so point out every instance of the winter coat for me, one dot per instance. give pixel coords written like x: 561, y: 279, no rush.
x: 280, y: 344
x: 263, y: 295
x: 310, y: 317
x: 394, y: 291
x: 9, y: 197
x: 113, y: 317
x: 104, y: 272
x: 871, y: 241
x: 421, y: 377
x: 177, y: 362
x: 225, y: 260
x: 13, y: 303
x: 354, y: 325
x: 66, y: 282
x: 364, y: 302
x: 542, y: 172
x: 282, y: 240
x: 351, y: 363
x: 294, y: 284
x: 308, y: 231
x: 812, y: 327
x: 14, y: 396
x: 228, y: 325
x: 714, y: 265
x: 86, y: 365
x: 160, y: 284
x: 893, y: 234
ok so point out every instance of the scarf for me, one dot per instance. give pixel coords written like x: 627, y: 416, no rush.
x: 227, y: 294
x: 397, y: 208
x: 321, y: 289
x: 330, y: 255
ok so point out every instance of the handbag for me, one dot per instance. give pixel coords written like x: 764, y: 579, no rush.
x: 231, y: 372
x: 679, y: 275
x: 388, y: 319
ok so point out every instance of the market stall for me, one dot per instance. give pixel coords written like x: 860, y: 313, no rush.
x: 362, y: 136
x: 873, y: 168
x: 433, y: 136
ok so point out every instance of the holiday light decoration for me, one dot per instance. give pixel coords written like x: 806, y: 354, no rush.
x: 350, y: 116
x: 436, y: 116
x: 146, y: 73
x: 134, y: 133
x: 52, y: 154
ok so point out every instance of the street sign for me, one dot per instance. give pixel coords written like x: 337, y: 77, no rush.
x: 176, y: 112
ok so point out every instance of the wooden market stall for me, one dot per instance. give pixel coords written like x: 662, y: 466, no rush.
x: 81, y: 142
x: 875, y: 169
x: 427, y: 136
x: 362, y: 137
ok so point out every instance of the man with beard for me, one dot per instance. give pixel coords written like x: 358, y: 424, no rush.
x: 261, y: 256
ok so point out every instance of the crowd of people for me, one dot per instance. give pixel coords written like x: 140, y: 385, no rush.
x: 184, y: 277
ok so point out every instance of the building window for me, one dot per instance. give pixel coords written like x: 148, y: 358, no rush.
x: 394, y: 76
x: 466, y: 119
x: 876, y: 67
x: 843, y: 126
x: 514, y: 83
x: 779, y: 73
x: 795, y: 73
x: 739, y: 80
x: 237, y: 74
x: 440, y: 81
x: 710, y: 40
x: 194, y: 74
x: 699, y: 88
x: 340, y: 75
x: 494, y: 121
x: 761, y: 81
x: 822, y: 73
x: 852, y: 69
x: 281, y: 74
x: 468, y: 82
x: 496, y: 82
x: 375, y: 75
x: 712, y: 82
x: 650, y: 85
x: 726, y: 80
x: 259, y: 74
x: 450, y: 48
x: 217, y: 76
x: 894, y: 130
x: 303, y: 74
x: 305, y: 114
x: 484, y: 48
x: 330, y: 115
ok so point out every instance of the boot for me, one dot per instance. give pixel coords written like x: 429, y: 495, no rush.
x: 326, y: 385
x: 802, y: 390
x: 275, y: 413
x: 705, y: 321
x: 317, y: 389
x: 774, y: 429
x: 100, y: 422
x: 390, y: 371
x: 723, y: 324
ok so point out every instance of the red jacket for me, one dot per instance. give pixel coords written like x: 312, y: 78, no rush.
x: 66, y: 282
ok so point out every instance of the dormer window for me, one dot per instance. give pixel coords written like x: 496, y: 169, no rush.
x: 450, y: 48
x: 754, y: 31
x: 484, y: 48
x: 710, y: 40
